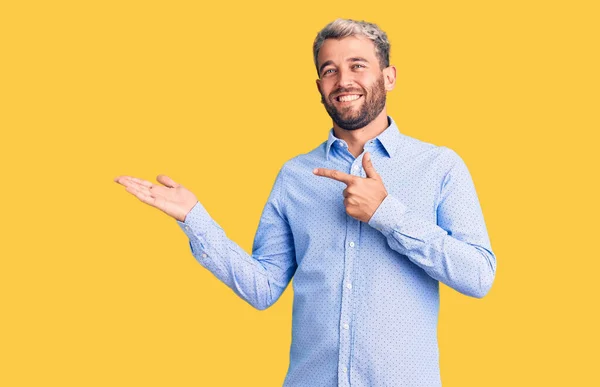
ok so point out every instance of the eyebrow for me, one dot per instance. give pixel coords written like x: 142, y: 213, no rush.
x: 351, y: 60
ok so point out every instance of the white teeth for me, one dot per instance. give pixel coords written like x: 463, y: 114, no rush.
x: 347, y: 98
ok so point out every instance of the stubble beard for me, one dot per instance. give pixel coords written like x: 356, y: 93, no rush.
x: 369, y: 110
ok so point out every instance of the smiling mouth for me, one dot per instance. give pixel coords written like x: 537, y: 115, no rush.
x: 348, y: 97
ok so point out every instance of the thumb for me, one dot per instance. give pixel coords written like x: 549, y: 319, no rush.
x: 368, y: 166
x: 166, y: 181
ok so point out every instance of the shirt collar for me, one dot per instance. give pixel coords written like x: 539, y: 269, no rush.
x: 389, y: 139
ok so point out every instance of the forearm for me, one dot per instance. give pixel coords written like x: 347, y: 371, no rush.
x: 464, y: 262
x: 245, y: 274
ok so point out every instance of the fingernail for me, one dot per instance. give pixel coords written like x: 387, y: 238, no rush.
x: 316, y: 170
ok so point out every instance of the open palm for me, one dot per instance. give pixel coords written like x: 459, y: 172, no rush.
x: 172, y: 198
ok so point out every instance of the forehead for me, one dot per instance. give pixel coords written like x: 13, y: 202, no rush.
x: 338, y: 50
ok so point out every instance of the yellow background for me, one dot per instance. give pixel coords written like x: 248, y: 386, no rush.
x: 98, y: 289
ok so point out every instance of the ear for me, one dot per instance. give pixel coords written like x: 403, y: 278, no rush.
x: 319, y: 88
x: 389, y: 77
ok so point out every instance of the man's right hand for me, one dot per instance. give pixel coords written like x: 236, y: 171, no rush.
x: 171, y: 198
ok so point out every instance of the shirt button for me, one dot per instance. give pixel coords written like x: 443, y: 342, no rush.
x: 344, y: 369
x: 351, y: 244
x: 349, y: 285
x: 346, y: 326
x: 355, y: 167
x: 204, y: 255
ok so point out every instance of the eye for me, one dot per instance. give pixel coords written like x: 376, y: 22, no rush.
x: 327, y: 71
x: 358, y: 66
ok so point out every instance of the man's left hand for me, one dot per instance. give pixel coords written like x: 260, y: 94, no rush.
x: 362, y: 195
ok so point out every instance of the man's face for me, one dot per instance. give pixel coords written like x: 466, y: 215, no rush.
x: 352, y: 84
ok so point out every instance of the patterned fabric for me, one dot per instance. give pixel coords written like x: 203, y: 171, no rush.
x: 366, y: 295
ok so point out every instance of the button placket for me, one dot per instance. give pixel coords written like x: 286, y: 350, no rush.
x: 346, y: 322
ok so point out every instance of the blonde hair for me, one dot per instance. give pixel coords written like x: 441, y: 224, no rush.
x: 343, y: 28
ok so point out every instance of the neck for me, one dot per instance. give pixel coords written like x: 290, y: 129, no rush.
x: 356, y: 139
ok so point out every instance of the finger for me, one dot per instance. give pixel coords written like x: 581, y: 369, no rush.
x: 126, y: 181
x: 335, y: 175
x: 121, y: 179
x: 345, y: 192
x: 166, y: 181
x: 143, y: 182
x: 368, y: 166
x: 142, y: 193
x: 154, y: 194
x: 350, y: 202
x: 129, y: 181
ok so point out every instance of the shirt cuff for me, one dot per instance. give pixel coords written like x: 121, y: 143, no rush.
x: 388, y: 215
x: 197, y: 221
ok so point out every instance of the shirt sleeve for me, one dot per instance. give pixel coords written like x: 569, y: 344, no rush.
x: 456, y: 250
x: 260, y: 278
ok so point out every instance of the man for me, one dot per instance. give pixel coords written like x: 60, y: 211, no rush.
x: 367, y: 224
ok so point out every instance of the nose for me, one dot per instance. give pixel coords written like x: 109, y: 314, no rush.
x: 345, y: 78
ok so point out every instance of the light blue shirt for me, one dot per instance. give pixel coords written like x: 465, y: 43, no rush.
x: 366, y: 295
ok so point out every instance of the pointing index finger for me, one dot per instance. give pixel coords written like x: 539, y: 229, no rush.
x: 334, y: 174
x: 368, y: 166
